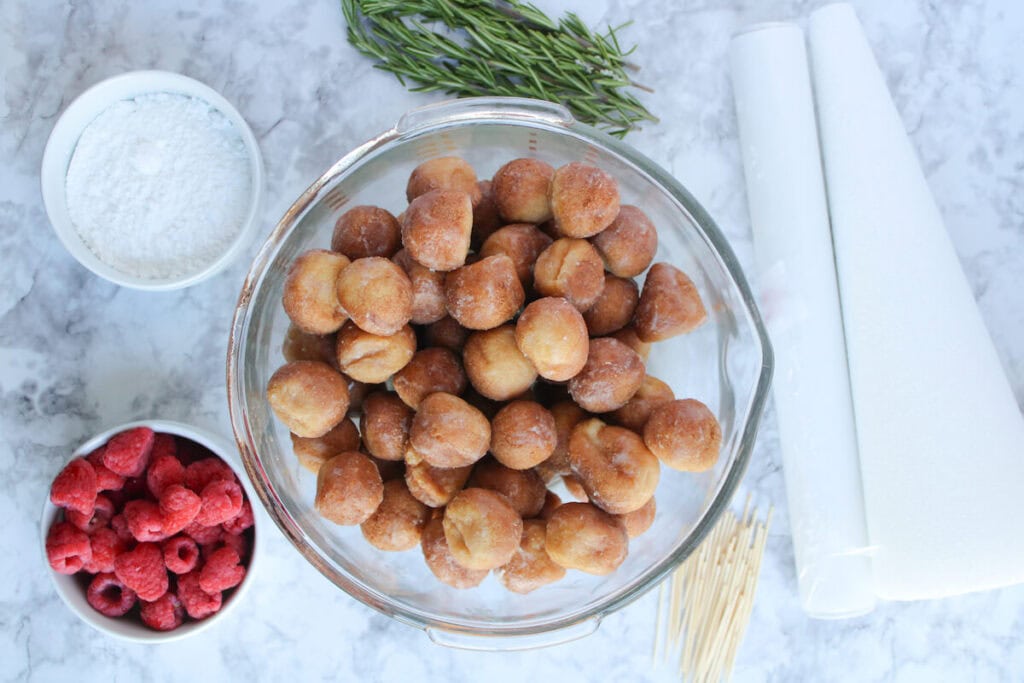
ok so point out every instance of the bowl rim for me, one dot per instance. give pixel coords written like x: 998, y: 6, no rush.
x: 518, y: 112
x: 63, y: 140
x: 115, y: 627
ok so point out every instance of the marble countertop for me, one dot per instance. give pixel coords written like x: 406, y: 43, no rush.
x: 78, y: 354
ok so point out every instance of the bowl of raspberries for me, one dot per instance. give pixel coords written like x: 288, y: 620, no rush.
x: 149, y: 531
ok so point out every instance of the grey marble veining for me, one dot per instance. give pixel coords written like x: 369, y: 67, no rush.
x: 78, y: 354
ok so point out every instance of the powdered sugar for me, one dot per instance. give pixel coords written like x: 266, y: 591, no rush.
x: 159, y: 186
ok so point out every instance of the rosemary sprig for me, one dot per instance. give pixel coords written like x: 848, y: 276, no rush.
x: 500, y: 47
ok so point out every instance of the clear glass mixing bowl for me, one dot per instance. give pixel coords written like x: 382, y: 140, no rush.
x: 726, y: 363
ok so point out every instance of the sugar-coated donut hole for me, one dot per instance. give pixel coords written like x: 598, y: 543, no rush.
x: 523, y: 435
x: 430, y: 370
x: 486, y: 218
x: 485, y: 294
x: 522, y: 188
x: 443, y: 173
x: 629, y: 244
x: 566, y: 415
x: 482, y: 528
x: 669, y: 305
x: 530, y: 567
x: 442, y: 563
x: 428, y: 304
x: 448, y: 432
x: 552, y: 334
x: 551, y: 502
x: 684, y: 434
x: 364, y: 231
x: 437, y: 228
x: 584, y: 537
x: 614, y: 307
x: 310, y: 297
x: 611, y: 376
x: 575, y: 488
x: 524, y: 489
x: 628, y: 336
x: 614, y: 466
x: 398, y: 521
x: 376, y: 294
x: 348, y: 488
x: 570, y: 268
x: 312, y: 453
x: 446, y: 332
x: 521, y: 242
x: 639, y: 521
x: 496, y: 367
x: 373, y: 358
x: 435, y: 486
x: 299, y: 345
x: 385, y: 424
x: 584, y: 199
x: 309, y: 397
x: 651, y: 394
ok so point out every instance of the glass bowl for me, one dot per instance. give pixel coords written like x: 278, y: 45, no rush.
x: 726, y: 363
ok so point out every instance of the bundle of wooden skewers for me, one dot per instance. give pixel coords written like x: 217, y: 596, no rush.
x: 705, y: 605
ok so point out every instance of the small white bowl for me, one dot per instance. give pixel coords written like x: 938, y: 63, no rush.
x: 64, y: 138
x: 72, y: 592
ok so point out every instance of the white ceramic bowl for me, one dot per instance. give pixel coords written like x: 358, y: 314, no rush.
x: 64, y: 138
x: 72, y: 592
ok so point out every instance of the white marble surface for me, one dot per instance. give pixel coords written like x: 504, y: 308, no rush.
x: 78, y: 354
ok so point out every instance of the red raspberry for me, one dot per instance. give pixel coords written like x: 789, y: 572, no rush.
x: 105, y: 479
x: 99, y: 517
x: 128, y: 453
x: 106, y: 546
x: 179, y: 508
x: 239, y: 543
x: 198, y: 603
x: 203, y: 535
x: 119, y: 525
x: 181, y: 554
x: 109, y: 596
x: 67, y: 548
x: 142, y: 570
x: 164, y: 444
x: 240, y: 522
x: 75, y: 487
x: 166, y: 613
x: 144, y: 520
x: 222, y: 500
x: 164, y: 470
x: 221, y: 571
x: 199, y: 474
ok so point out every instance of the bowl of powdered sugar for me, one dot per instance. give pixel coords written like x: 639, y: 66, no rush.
x: 152, y: 180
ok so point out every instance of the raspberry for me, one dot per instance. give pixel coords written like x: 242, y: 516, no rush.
x: 199, y: 474
x: 142, y: 570
x: 99, y: 517
x: 105, y: 479
x: 178, y: 507
x: 240, y: 522
x: 203, y: 535
x: 109, y: 596
x: 67, y: 548
x: 128, y: 453
x: 144, y: 520
x: 75, y: 487
x: 106, y: 546
x: 198, y: 603
x: 119, y: 525
x: 181, y: 554
x: 221, y: 571
x: 164, y: 470
x: 166, y: 613
x: 222, y: 500
x: 238, y: 543
x: 164, y: 444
